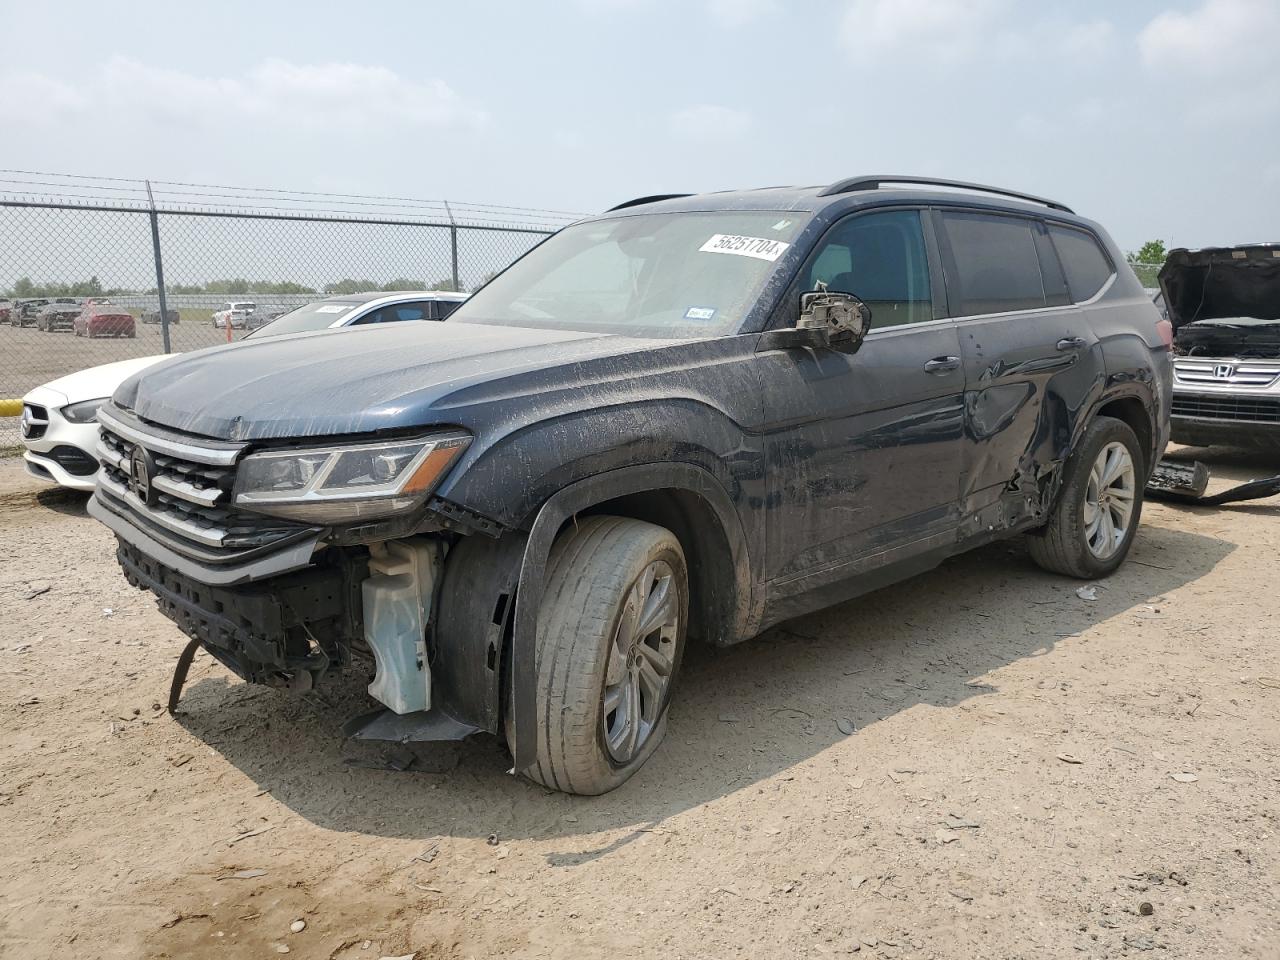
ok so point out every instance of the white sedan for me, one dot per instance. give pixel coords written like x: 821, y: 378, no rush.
x: 60, y: 425
x: 59, y: 419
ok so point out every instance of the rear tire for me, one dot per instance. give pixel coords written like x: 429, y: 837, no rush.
x: 611, y: 633
x: 1082, y: 517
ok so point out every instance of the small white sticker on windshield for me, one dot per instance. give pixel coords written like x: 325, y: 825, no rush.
x: 761, y: 248
x: 700, y: 313
x: 334, y: 308
x: 782, y: 225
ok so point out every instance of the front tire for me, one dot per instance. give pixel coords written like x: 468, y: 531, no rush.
x: 1099, y: 506
x: 611, y: 634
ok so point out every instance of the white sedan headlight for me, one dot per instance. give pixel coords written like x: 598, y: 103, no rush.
x: 348, y: 483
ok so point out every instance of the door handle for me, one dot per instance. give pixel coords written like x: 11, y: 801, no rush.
x: 1071, y: 343
x: 942, y: 365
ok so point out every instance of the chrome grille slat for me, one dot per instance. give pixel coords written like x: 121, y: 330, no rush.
x: 189, y: 498
x: 1250, y: 373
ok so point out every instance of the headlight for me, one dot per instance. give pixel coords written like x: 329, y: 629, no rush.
x: 86, y: 411
x: 344, y: 484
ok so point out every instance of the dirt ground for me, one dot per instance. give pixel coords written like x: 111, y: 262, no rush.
x: 1029, y: 775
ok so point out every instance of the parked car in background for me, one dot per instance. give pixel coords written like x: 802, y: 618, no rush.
x: 358, y: 309
x: 264, y: 315
x: 59, y: 425
x: 98, y: 300
x: 236, y: 313
x: 153, y: 315
x: 24, y: 312
x: 57, y: 316
x: 104, y: 320
x: 689, y: 416
x: 6, y: 309
x: 1224, y: 304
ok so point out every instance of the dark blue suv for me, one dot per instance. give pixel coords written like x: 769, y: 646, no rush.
x: 689, y: 416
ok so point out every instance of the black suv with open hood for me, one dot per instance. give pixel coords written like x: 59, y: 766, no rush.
x: 1224, y: 303
x: 689, y: 416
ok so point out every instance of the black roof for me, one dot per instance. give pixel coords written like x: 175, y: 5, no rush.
x: 850, y: 191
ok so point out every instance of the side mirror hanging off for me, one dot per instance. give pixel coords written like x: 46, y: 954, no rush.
x: 842, y: 319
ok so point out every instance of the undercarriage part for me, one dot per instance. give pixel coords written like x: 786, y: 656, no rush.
x: 266, y: 632
x: 397, y: 600
x: 180, y: 673
x: 1186, y: 483
x: 427, y: 726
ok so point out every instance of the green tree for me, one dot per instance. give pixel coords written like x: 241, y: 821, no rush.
x: 446, y: 285
x: 23, y: 288
x: 1153, y: 251
x: 404, y: 283
x: 348, y: 285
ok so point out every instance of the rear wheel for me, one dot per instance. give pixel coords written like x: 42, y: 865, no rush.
x: 611, y: 635
x: 1099, y: 506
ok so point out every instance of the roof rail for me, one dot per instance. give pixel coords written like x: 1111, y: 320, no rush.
x: 640, y: 201
x: 854, y: 184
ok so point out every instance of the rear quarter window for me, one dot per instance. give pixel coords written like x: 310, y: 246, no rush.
x: 1087, y: 268
x: 995, y: 266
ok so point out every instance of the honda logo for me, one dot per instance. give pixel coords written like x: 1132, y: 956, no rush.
x: 1223, y: 371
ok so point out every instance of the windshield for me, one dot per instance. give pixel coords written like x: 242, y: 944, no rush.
x: 313, y: 316
x: 668, y: 275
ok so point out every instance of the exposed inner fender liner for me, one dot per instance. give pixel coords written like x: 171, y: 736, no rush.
x: 576, y: 498
x: 477, y: 603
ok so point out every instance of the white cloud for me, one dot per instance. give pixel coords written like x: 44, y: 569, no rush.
x: 329, y: 96
x: 737, y: 13
x: 1087, y: 41
x: 1220, y: 38
x: 37, y: 100
x: 709, y: 123
x: 946, y: 31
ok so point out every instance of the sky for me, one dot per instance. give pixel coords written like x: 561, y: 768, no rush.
x: 1158, y: 118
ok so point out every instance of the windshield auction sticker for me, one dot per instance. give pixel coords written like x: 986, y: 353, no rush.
x: 761, y: 248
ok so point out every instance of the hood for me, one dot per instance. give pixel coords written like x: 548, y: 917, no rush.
x: 1221, y: 283
x: 101, y: 381
x: 358, y: 380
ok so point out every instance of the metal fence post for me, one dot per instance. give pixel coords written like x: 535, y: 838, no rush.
x: 155, y: 249
x: 453, y: 246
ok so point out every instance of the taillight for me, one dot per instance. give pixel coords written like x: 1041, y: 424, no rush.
x: 1165, y: 329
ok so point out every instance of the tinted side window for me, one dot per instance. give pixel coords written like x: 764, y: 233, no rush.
x: 446, y: 307
x: 881, y: 258
x: 1086, y: 266
x: 395, y: 312
x: 995, y: 265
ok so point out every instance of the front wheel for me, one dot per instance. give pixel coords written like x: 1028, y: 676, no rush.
x: 1099, y: 506
x: 611, y: 634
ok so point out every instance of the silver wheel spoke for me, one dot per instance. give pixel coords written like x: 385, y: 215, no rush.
x: 659, y: 608
x: 633, y: 717
x: 612, y: 698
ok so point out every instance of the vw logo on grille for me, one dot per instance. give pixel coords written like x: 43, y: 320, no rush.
x: 140, y: 475
x: 1223, y: 371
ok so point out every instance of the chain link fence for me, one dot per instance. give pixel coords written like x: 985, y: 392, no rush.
x: 91, y: 239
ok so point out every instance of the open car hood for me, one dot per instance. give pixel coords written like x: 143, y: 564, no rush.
x: 1222, y: 283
